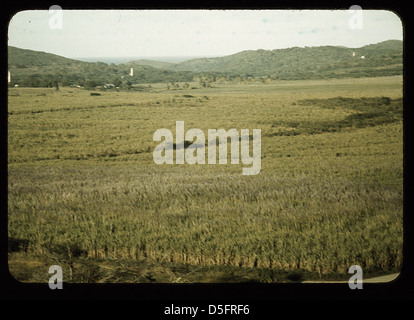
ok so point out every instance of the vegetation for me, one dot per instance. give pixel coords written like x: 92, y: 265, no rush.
x: 296, y: 63
x: 368, y: 112
x: 84, y: 190
x: 38, y: 69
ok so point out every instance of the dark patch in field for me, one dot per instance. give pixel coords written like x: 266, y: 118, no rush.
x: 369, y: 112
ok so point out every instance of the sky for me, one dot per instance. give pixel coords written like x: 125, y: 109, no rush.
x: 163, y: 33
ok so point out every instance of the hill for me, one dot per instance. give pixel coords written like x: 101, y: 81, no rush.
x: 380, y: 59
x: 23, y: 58
x: 40, y: 69
x: 33, y: 68
x: 153, y: 63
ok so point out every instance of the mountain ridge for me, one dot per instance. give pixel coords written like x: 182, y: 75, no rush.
x: 36, y: 68
x: 262, y: 62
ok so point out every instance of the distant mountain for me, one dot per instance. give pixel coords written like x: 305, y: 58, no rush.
x: 153, y: 63
x: 384, y: 58
x: 34, y: 68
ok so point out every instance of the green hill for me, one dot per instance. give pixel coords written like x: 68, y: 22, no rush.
x: 153, y: 63
x: 23, y: 58
x: 33, y: 68
x: 40, y: 69
x: 380, y: 59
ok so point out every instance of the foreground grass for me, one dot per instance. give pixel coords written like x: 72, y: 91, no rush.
x: 83, y: 187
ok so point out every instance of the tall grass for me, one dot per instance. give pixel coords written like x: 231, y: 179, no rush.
x: 82, y: 182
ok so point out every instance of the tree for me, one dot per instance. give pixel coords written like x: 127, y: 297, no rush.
x: 126, y: 85
x: 90, y: 84
x: 116, y: 81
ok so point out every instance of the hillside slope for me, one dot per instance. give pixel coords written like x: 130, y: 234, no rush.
x: 380, y: 59
x: 33, y: 68
x: 23, y: 58
x: 40, y: 69
x: 153, y: 63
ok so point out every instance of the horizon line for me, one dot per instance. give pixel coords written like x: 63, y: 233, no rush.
x: 197, y: 56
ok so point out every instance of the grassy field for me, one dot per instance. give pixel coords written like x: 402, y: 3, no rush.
x: 85, y: 193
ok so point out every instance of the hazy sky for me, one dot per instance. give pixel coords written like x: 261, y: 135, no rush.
x: 127, y: 33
